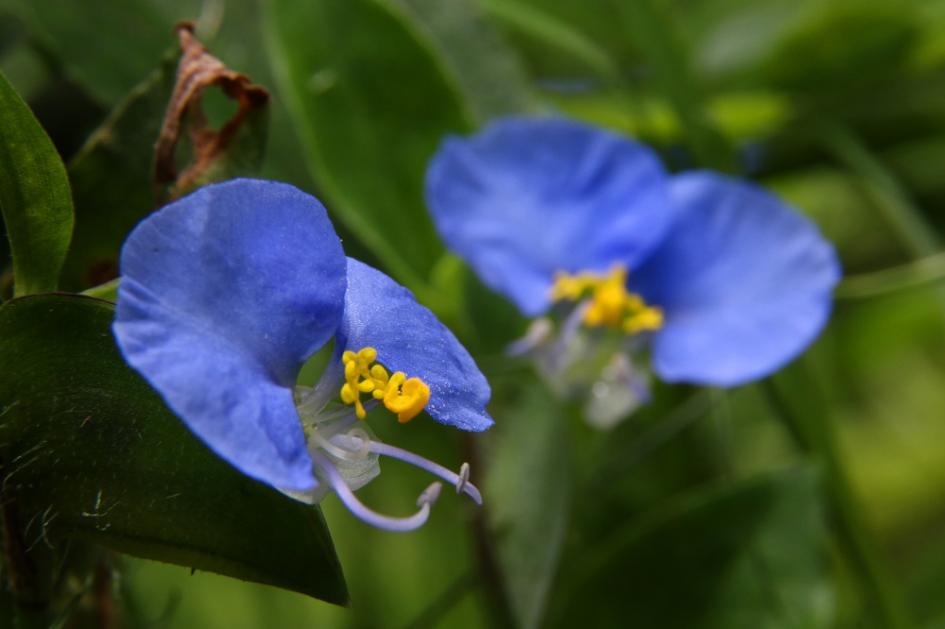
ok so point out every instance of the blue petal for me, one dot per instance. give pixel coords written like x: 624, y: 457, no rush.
x: 744, y: 279
x: 382, y: 314
x: 528, y: 197
x: 224, y: 294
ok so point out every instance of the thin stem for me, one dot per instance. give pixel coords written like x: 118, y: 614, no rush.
x: 903, y: 217
x: 27, y: 575
x: 490, y: 572
x: 106, y: 608
x: 919, y: 273
x: 813, y: 433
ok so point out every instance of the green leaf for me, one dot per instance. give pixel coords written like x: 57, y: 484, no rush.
x: 842, y: 46
x: 552, y: 34
x: 34, y: 196
x: 112, y: 180
x: 488, y: 72
x: 371, y: 102
x: 652, y: 29
x: 106, y: 47
x: 88, y: 449
x: 529, y: 490
x: 798, y: 403
x: 749, y: 555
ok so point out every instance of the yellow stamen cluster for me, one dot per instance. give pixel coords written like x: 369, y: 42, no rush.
x: 401, y: 395
x: 610, y: 303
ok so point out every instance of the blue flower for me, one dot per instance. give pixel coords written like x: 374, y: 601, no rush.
x: 525, y: 199
x: 721, y: 280
x: 227, y: 292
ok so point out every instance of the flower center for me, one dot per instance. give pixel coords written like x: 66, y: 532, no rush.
x: 401, y: 395
x: 610, y: 304
x: 345, y: 457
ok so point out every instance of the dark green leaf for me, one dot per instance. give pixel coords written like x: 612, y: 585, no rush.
x: 87, y: 449
x: 106, y: 47
x: 529, y: 490
x: 488, y: 72
x: 750, y: 555
x: 842, y: 46
x: 112, y: 181
x: 371, y: 102
x: 34, y: 196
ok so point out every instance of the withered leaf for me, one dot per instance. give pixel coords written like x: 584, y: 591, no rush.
x: 197, y: 71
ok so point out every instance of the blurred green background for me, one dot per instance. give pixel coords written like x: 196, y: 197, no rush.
x: 815, y: 499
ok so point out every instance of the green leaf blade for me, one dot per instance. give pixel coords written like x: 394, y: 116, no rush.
x: 34, y: 197
x: 113, y: 180
x: 748, y: 555
x: 371, y: 102
x: 530, y: 519
x: 87, y: 449
x: 105, y: 47
x: 488, y: 72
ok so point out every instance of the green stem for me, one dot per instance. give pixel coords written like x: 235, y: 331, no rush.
x: 813, y: 434
x: 923, y: 271
x: 906, y: 221
x: 490, y: 572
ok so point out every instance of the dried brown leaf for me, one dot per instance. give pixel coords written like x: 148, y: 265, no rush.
x: 197, y: 71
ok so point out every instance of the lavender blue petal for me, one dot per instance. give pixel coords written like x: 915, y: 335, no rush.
x: 744, y: 279
x: 527, y: 197
x: 408, y: 337
x: 224, y: 294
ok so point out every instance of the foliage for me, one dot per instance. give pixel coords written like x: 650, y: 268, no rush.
x: 809, y: 499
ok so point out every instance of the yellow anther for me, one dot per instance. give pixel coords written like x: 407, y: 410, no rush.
x: 401, y: 395
x: 646, y: 320
x: 351, y: 369
x: 572, y: 287
x: 610, y: 304
x: 347, y: 395
x: 406, y: 397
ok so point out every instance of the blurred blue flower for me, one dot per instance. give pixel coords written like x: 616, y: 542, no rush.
x: 227, y: 292
x: 720, y: 280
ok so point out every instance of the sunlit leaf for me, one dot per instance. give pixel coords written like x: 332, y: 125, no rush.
x: 371, y: 101
x: 489, y: 73
x: 87, y: 449
x: 34, y: 196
